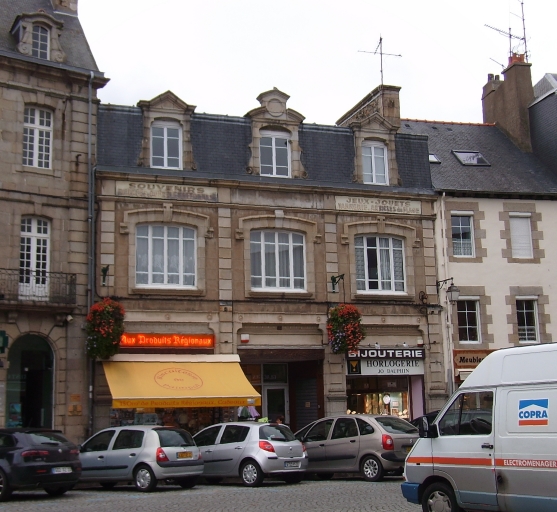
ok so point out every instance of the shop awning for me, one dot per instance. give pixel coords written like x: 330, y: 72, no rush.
x: 136, y: 384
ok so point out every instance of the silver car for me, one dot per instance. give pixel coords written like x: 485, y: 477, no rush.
x: 368, y: 444
x: 251, y: 451
x: 142, y: 454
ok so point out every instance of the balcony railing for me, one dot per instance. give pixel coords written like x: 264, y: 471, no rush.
x: 37, y: 285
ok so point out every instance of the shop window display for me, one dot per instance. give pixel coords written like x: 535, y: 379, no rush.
x: 375, y: 396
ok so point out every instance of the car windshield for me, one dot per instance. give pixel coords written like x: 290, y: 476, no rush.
x: 174, y: 437
x: 52, y: 438
x: 276, y: 433
x: 395, y: 425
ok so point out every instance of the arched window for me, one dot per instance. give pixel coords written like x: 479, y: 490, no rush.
x: 374, y: 162
x: 41, y: 39
x: 166, y: 145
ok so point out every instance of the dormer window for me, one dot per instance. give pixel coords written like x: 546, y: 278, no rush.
x: 40, y: 42
x: 37, y: 35
x: 166, y: 145
x: 275, y: 154
x: 374, y: 161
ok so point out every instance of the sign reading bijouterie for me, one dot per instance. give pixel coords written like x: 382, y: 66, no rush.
x: 387, y: 353
x: 134, y: 340
x: 386, y: 362
x: 378, y: 205
x: 166, y: 191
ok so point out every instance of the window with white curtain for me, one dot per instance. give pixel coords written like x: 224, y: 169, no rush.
x: 34, y: 258
x: 374, y: 161
x: 165, y: 256
x: 379, y: 264
x: 277, y: 260
x: 521, y: 236
x: 37, y: 137
x: 462, y: 235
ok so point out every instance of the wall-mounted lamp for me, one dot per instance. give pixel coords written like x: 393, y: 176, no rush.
x: 69, y: 319
x: 453, y: 293
x: 335, y: 280
x: 104, y: 271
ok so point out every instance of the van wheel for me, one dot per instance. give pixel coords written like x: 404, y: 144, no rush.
x: 439, y: 497
x: 251, y: 474
x: 371, y: 469
x: 144, y: 479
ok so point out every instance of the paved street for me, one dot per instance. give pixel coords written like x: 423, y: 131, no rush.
x: 340, y: 494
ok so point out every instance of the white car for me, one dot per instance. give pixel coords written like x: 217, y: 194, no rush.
x: 142, y: 454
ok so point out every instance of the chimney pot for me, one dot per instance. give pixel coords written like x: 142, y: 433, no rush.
x: 490, y: 77
x: 497, y: 78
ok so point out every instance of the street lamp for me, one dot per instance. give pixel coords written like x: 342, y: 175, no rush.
x: 453, y: 293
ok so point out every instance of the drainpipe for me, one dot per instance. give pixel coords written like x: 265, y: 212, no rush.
x: 91, y: 245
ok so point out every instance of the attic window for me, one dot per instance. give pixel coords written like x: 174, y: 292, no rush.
x: 474, y: 158
x: 434, y: 159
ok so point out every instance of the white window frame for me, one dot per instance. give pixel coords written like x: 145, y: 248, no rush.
x: 477, y: 326
x: 148, y: 269
x: 264, y: 271
x: 34, y: 258
x: 370, y: 154
x: 165, y: 126
x: 40, y: 36
x: 274, y: 135
x: 525, y: 337
x: 520, y: 226
x: 470, y: 216
x: 385, y: 272
x: 37, y: 138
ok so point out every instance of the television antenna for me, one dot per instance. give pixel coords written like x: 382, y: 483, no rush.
x: 380, y: 50
x: 512, y: 36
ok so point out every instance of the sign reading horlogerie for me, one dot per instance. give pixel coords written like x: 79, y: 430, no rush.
x: 378, y: 205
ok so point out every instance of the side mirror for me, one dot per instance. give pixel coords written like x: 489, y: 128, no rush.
x: 428, y: 430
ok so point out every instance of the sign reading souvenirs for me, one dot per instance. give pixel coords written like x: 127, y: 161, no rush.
x: 166, y: 191
x: 378, y: 205
x: 464, y: 359
x: 135, y: 340
x: 386, y: 362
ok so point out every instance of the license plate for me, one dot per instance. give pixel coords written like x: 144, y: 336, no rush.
x: 62, y: 470
x: 185, y: 455
x: 291, y: 464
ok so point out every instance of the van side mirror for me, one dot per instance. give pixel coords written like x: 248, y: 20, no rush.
x: 426, y: 429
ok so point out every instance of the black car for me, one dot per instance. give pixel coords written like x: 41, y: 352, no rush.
x: 33, y: 458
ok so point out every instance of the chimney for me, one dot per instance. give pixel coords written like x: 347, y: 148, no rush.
x: 505, y: 103
x: 65, y: 6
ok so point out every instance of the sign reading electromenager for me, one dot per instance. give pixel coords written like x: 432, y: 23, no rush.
x: 386, y: 362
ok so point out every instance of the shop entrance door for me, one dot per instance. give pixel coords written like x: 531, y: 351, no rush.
x: 275, y: 402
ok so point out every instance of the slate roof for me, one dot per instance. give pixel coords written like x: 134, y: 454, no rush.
x: 72, y: 38
x: 511, y: 171
x: 221, y: 151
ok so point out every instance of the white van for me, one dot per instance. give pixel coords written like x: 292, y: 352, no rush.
x: 494, y: 444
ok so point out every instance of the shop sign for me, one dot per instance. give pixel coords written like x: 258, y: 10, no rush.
x: 469, y: 359
x: 166, y: 191
x: 378, y: 205
x: 388, y: 353
x: 139, y: 340
x: 385, y: 367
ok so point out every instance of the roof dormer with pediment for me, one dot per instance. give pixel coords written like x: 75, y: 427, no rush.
x: 273, y: 123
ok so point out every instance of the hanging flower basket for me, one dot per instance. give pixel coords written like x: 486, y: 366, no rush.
x: 105, y: 326
x: 344, y: 328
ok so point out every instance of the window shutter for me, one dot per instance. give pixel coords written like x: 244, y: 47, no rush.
x: 521, y: 237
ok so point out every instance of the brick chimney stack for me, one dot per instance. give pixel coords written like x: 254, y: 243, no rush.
x: 65, y: 6
x: 505, y: 102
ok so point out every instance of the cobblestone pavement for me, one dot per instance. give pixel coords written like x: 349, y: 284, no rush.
x: 340, y: 494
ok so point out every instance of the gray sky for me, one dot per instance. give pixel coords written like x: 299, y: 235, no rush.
x: 221, y: 54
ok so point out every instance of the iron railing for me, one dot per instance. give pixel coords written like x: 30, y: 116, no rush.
x: 37, y: 285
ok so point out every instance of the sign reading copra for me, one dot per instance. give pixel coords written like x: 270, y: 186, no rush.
x: 378, y: 205
x: 166, y: 191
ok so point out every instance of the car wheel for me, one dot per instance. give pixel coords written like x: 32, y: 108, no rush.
x: 293, y: 478
x: 325, y: 476
x: 187, y: 483
x: 371, y: 469
x: 251, y: 474
x: 5, y: 489
x: 56, y: 491
x: 439, y: 497
x: 144, y: 479
x: 213, y: 480
x: 108, y: 485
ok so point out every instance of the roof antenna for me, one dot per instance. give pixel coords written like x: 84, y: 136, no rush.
x: 380, y: 48
x: 511, y: 36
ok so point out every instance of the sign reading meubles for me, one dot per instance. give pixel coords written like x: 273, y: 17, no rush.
x: 386, y: 362
x: 167, y: 340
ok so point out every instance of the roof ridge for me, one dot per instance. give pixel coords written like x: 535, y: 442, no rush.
x: 447, y: 122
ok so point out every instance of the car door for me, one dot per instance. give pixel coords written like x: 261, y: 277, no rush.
x: 314, y: 442
x: 206, y: 441
x: 464, y: 451
x: 342, y: 449
x: 93, y: 455
x: 121, y: 457
x: 227, y: 453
